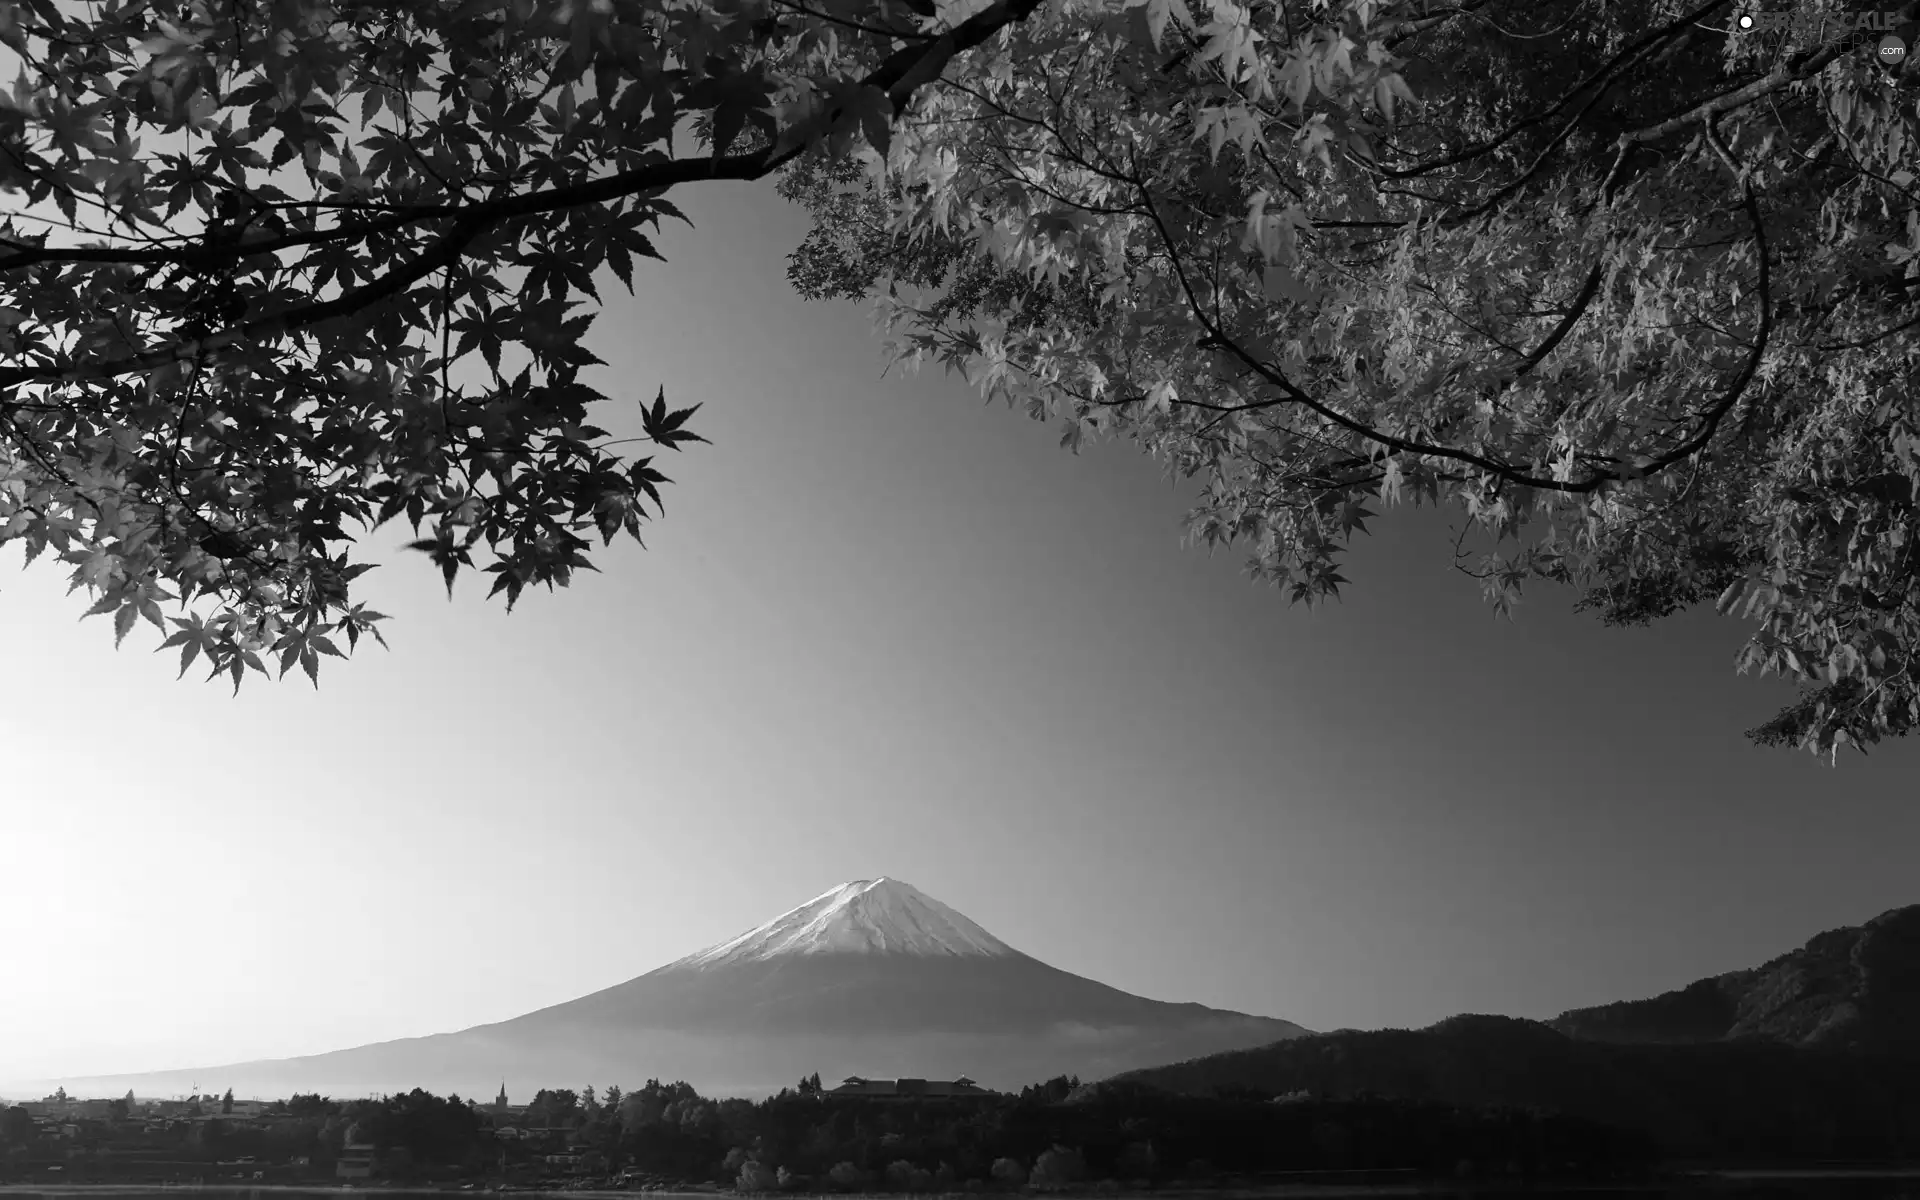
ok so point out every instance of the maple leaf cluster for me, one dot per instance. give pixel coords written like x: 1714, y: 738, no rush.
x: 248, y: 240
x: 1632, y: 293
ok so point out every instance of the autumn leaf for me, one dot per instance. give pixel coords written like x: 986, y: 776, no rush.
x: 665, y: 427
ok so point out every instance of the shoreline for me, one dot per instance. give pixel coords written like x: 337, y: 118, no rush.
x: 1279, y: 1191
x: 1697, y: 1177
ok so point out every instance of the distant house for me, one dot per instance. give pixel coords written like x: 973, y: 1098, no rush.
x: 910, y: 1089
x: 230, y: 1121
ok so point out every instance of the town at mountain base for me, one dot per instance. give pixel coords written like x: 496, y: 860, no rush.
x: 873, y: 977
x: 806, y: 1140
x: 1812, y: 1055
x: 750, y: 1065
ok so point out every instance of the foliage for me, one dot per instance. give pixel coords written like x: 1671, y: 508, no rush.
x: 1631, y: 289
x: 1058, y: 1167
x: 256, y: 237
x: 429, y: 1128
x: 16, y: 1127
x: 1748, y: 1099
x: 939, y: 1145
x: 925, y: 1146
x: 553, y: 1106
x: 1137, y: 1161
x: 310, y: 1104
x: 1057, y: 1088
x: 757, y: 1177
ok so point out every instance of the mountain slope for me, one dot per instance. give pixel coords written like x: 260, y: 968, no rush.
x: 1750, y: 1100
x: 1816, y: 1052
x: 873, y: 977
x: 1856, y: 987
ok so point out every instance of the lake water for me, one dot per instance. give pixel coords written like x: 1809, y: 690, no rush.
x: 1747, y: 1186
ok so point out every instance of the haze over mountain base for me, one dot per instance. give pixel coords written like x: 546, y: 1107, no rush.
x: 474, y: 1063
x: 873, y: 978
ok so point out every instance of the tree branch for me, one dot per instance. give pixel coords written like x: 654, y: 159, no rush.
x: 1601, y: 78
x: 446, y: 252
x: 1778, y: 78
x: 900, y: 75
x: 903, y: 73
x: 1639, y: 466
x: 1574, y: 312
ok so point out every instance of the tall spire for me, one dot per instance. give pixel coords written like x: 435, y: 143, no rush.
x: 500, y: 1101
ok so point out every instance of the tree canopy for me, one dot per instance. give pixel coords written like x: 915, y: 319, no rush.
x: 1629, y: 283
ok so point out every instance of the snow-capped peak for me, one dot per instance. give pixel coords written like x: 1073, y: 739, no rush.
x: 866, y: 916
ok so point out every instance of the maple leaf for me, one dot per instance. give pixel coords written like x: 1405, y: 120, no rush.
x: 665, y: 427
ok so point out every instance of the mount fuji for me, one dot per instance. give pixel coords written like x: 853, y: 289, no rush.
x: 873, y: 978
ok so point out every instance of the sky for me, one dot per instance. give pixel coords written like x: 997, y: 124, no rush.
x: 886, y: 630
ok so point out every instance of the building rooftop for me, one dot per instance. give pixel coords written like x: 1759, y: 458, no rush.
x: 855, y: 1085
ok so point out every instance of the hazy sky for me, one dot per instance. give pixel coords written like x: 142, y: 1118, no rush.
x: 885, y: 630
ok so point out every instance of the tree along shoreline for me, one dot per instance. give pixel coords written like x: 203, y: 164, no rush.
x: 1055, y: 1136
x: 1371, y: 1186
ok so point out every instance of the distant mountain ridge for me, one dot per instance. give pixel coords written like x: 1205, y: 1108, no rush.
x: 1748, y: 1098
x: 1856, y: 987
x: 1816, y: 1052
x: 873, y: 978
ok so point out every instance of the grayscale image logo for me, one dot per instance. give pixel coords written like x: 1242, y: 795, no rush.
x: 1890, y: 34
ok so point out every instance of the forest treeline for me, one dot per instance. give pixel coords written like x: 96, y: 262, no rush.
x: 1741, y: 1100
x: 1055, y: 1134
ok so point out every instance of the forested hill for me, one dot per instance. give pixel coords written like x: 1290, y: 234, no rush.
x: 1750, y: 1100
x: 1856, y: 987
